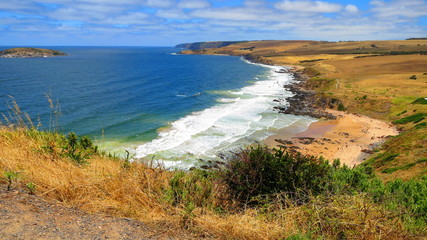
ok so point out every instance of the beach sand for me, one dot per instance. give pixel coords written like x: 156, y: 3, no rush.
x: 350, y: 137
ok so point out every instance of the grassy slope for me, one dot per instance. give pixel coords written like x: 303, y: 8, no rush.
x: 195, y: 202
x: 367, y: 80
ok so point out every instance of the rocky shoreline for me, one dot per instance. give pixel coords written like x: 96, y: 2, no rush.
x: 303, y: 102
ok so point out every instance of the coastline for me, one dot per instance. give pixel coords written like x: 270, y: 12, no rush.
x: 336, y: 134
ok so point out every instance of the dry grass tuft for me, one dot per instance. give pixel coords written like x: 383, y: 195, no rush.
x: 102, y: 185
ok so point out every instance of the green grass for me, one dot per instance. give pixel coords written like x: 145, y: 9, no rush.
x: 421, y: 125
x: 380, y: 159
x: 413, y: 118
x: 404, y: 167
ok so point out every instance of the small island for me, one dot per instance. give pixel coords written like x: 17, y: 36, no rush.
x: 30, y: 52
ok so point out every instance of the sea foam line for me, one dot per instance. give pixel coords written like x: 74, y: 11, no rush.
x: 233, y: 123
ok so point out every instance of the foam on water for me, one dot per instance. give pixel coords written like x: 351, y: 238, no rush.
x: 242, y: 117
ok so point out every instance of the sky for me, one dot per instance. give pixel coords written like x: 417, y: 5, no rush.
x: 169, y: 22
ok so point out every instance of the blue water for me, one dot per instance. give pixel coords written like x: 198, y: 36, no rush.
x: 123, y: 96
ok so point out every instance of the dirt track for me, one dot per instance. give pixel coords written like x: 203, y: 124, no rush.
x: 25, y: 216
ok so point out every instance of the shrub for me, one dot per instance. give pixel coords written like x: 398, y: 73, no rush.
x: 341, y: 107
x: 78, y: 149
x: 260, y: 171
x: 413, y: 77
x: 412, y: 195
x: 11, y: 176
x: 421, y: 125
x: 420, y: 101
x: 403, y: 112
x: 31, y: 188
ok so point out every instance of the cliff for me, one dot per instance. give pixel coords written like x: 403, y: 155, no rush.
x: 30, y: 52
x: 202, y: 45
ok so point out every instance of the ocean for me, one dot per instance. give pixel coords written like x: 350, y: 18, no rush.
x: 180, y: 110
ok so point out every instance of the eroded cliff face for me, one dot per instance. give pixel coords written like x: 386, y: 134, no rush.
x: 202, y: 45
x: 30, y: 52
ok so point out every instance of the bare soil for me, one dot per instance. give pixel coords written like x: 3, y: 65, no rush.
x: 26, y: 216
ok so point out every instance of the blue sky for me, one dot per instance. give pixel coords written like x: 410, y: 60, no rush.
x: 169, y: 22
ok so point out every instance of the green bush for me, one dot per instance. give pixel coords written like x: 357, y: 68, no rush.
x: 403, y: 112
x: 259, y: 171
x: 341, y: 107
x: 421, y: 125
x: 412, y: 195
x: 420, y: 101
x: 78, y: 149
x: 413, y: 77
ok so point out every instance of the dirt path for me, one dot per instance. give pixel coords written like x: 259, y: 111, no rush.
x: 25, y: 216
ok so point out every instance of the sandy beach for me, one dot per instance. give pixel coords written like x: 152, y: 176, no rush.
x: 350, y: 137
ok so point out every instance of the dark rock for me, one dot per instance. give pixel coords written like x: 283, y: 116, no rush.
x: 205, y: 167
x: 304, y: 102
x: 285, y: 142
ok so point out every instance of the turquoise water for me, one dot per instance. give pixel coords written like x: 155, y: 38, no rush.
x: 149, y: 100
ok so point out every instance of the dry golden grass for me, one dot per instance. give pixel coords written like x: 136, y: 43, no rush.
x: 304, y: 47
x: 108, y: 186
x: 103, y: 185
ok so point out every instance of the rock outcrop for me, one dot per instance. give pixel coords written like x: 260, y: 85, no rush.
x: 30, y: 52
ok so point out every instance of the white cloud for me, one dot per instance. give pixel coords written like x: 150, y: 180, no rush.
x: 399, y: 8
x: 200, y: 20
x: 309, y: 6
x: 193, y: 4
x: 351, y: 8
